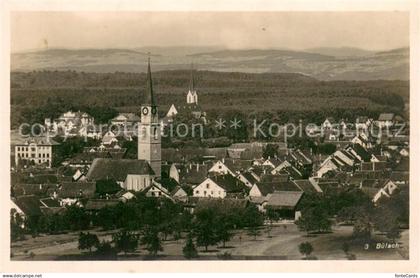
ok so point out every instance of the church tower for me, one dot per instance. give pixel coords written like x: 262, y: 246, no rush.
x: 192, y: 96
x: 149, y: 135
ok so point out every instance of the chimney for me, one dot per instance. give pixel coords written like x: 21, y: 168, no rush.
x: 223, y: 160
x: 198, y: 167
x: 190, y: 166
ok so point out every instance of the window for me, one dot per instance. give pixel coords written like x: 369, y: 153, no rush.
x: 197, y: 192
x: 212, y: 193
x: 39, y: 155
x: 205, y: 193
x: 220, y: 167
x: 33, y: 155
x: 33, y: 149
x: 207, y: 186
x: 18, y: 148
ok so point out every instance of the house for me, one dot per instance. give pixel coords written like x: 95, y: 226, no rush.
x: 328, y: 123
x: 262, y: 189
x: 130, y: 174
x: 35, y: 150
x: 109, y: 138
x: 69, y: 123
x: 172, y: 112
x: 385, y: 120
x: 247, y: 178
x: 90, y: 131
x: 220, y: 187
x: 387, y: 189
x: 284, y: 203
x: 179, y: 194
x: 156, y: 190
x: 69, y: 193
x: 308, y: 186
x: 362, y: 140
x: 359, y: 152
x: 193, y: 175
x: 125, y: 120
x: 26, y: 206
x: 272, y: 162
x: 280, y: 167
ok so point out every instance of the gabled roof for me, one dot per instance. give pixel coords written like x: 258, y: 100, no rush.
x: 193, y: 174
x: 307, y: 186
x: 237, y: 164
x: 230, y: 183
x: 77, y: 190
x: 32, y: 189
x: 29, y: 204
x: 269, y: 187
x: 249, y: 177
x: 50, y: 202
x: 284, y: 199
x: 361, y: 152
x: 117, y: 169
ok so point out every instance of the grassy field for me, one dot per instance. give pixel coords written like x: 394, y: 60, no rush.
x: 281, y: 244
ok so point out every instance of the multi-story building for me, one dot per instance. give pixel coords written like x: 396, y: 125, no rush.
x: 35, y: 150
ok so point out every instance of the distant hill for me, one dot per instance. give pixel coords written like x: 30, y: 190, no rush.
x: 321, y: 63
x: 340, y: 51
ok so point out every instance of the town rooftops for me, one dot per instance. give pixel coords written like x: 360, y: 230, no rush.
x: 117, y: 169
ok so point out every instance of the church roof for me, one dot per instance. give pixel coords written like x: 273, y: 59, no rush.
x: 117, y: 169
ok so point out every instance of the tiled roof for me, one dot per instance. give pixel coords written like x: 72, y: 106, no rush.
x: 230, y: 183
x: 284, y: 199
x: 77, y: 190
x: 308, y: 186
x: 269, y: 187
x: 117, y: 169
x: 29, y: 204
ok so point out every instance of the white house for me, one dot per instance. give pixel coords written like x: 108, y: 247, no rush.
x: 109, y: 138
x: 209, y: 188
x: 36, y: 150
x: 387, y: 190
x: 221, y: 168
x: 172, y: 112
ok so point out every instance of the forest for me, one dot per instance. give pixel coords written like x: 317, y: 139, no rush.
x: 39, y: 94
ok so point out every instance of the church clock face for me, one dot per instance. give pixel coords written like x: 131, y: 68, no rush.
x: 145, y: 110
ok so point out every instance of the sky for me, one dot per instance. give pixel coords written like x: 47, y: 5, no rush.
x: 233, y: 30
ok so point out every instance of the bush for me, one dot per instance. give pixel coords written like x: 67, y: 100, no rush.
x: 305, y: 248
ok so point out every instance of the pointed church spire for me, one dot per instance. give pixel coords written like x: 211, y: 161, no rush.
x: 149, y: 99
x: 192, y: 78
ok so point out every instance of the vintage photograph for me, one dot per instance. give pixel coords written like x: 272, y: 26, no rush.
x: 197, y: 135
